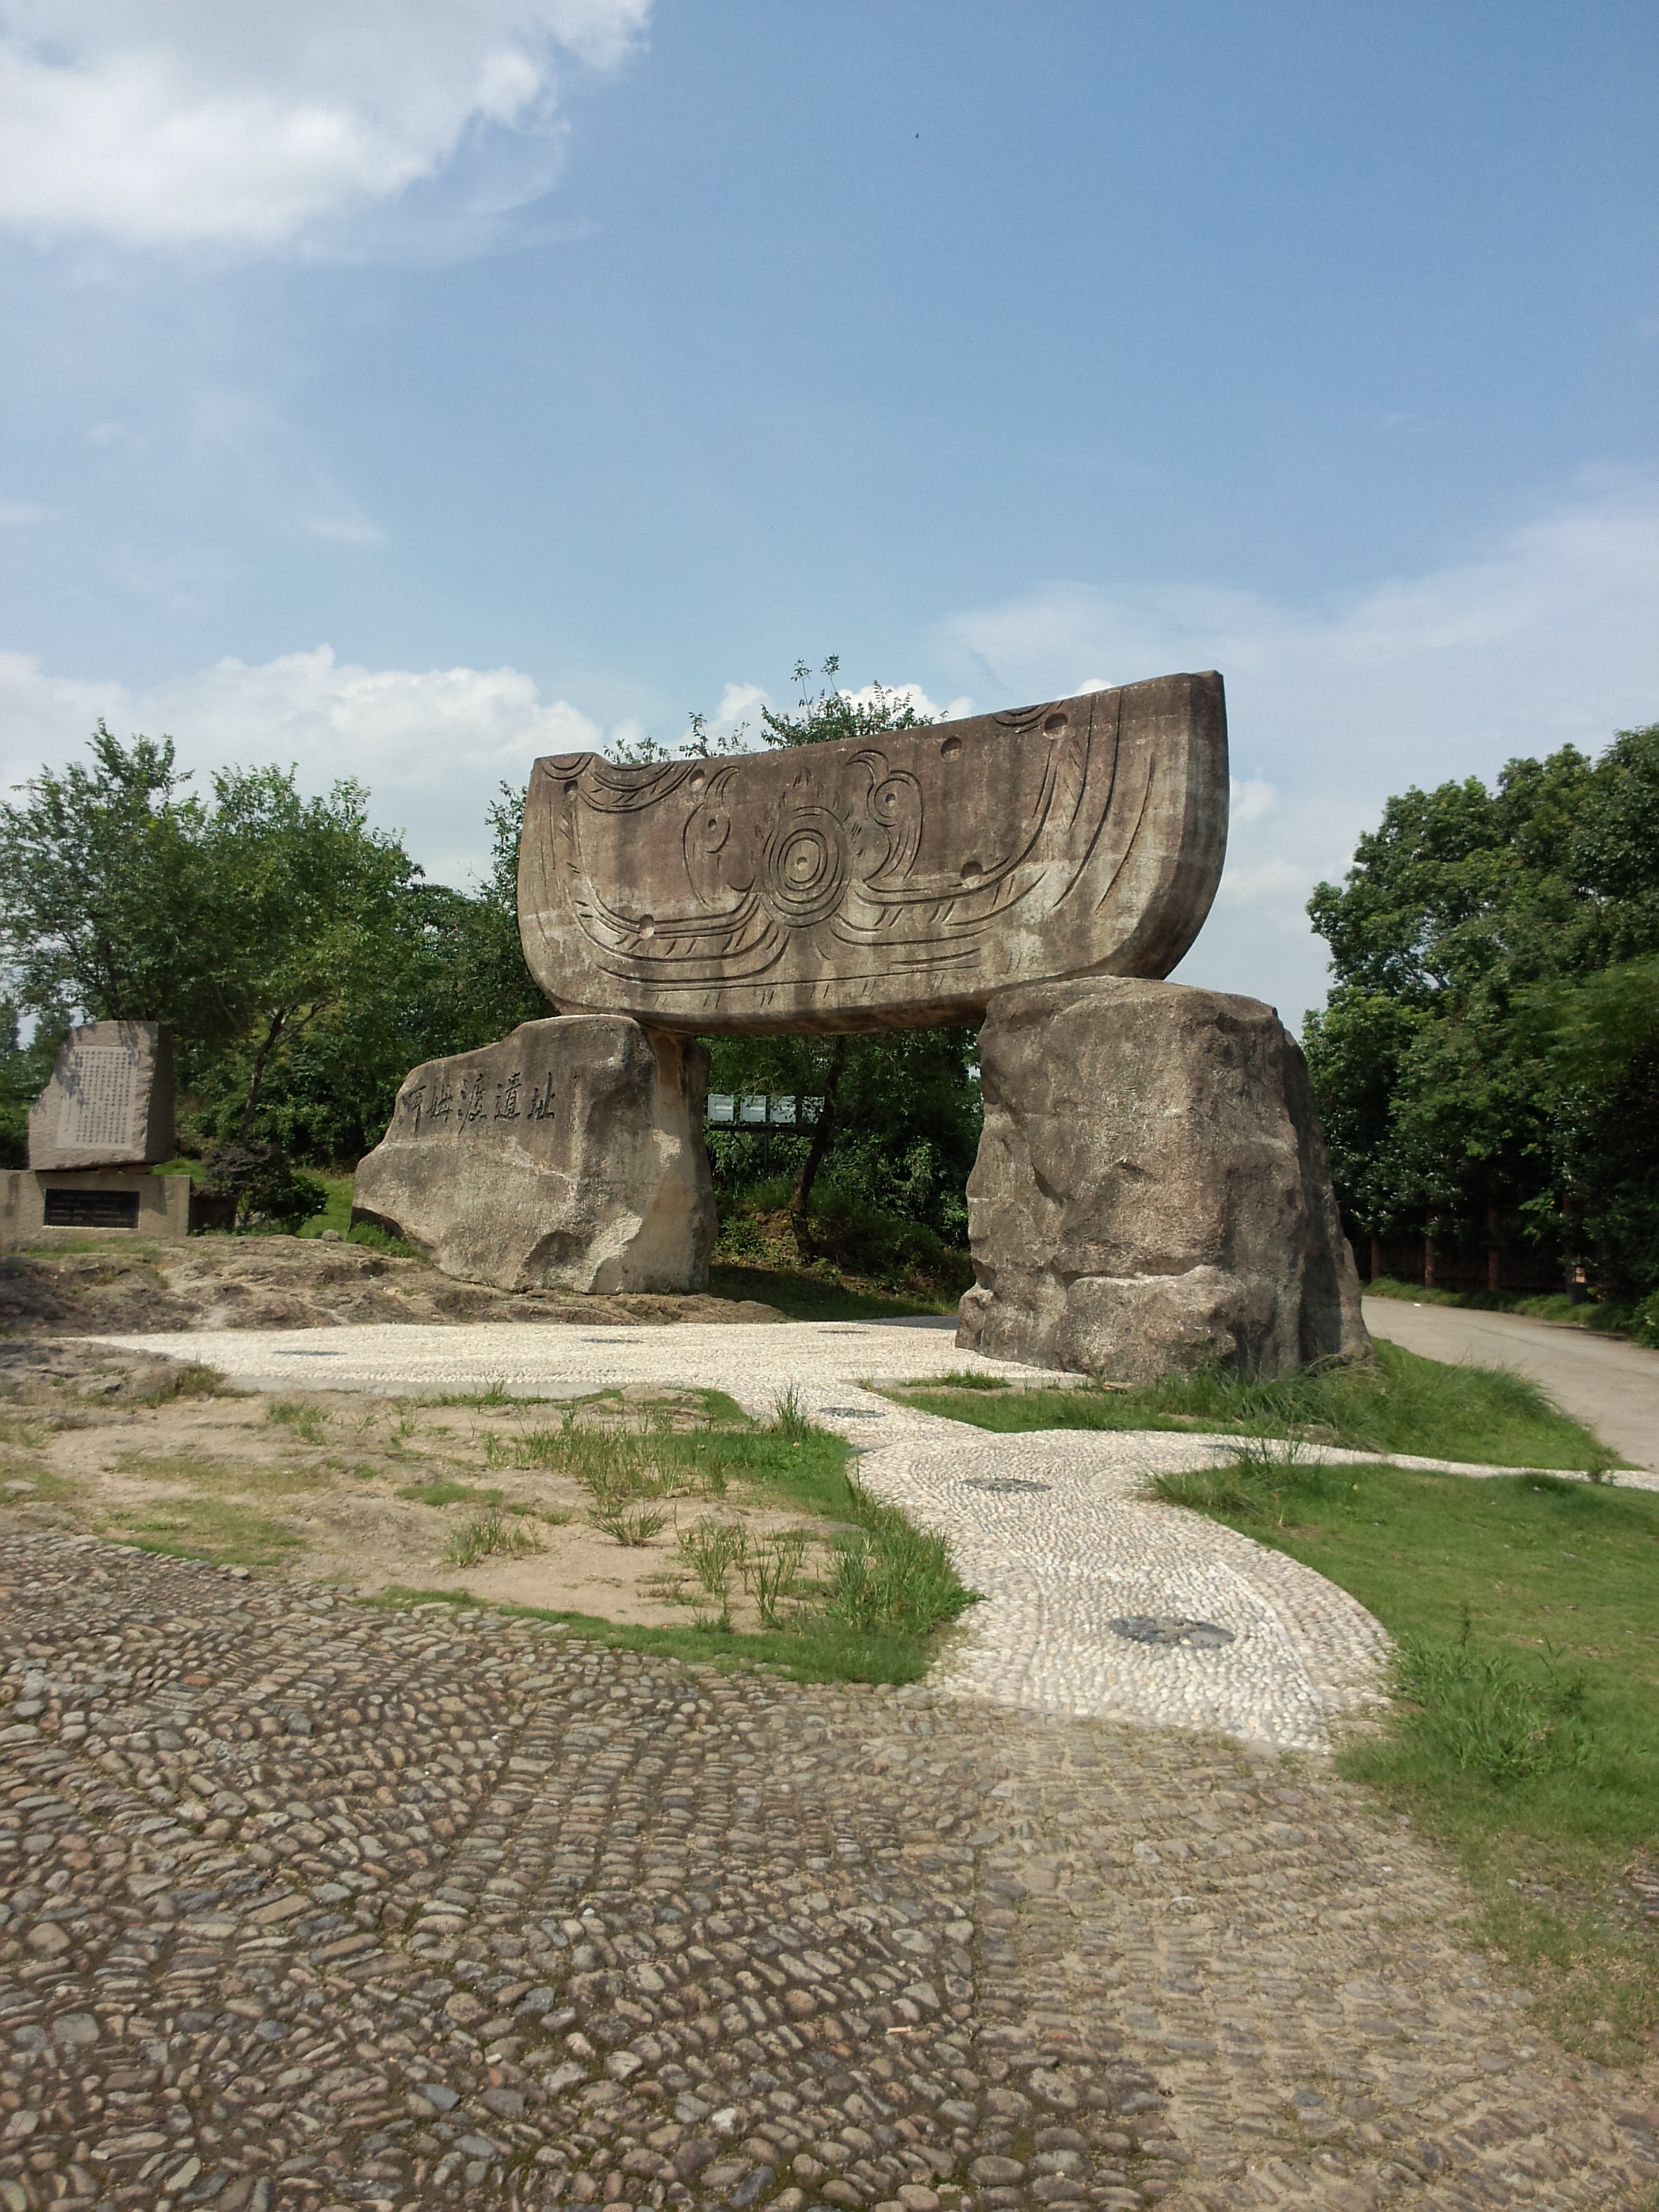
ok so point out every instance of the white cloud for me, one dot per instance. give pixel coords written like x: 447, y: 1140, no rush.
x: 900, y: 695
x: 432, y: 745
x: 1543, y: 638
x: 345, y: 530
x: 21, y: 513
x: 164, y: 122
x: 1251, y: 798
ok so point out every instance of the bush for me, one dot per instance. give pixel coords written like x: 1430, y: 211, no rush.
x: 261, y: 1180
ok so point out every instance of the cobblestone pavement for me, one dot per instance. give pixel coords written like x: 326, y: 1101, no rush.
x: 306, y: 1906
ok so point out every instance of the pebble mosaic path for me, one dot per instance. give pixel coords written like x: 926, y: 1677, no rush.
x: 1046, y: 1527
x: 308, y: 1906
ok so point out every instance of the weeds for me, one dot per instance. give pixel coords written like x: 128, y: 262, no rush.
x: 892, y: 1574
x: 306, y: 1421
x: 442, y: 1491
x: 633, y: 1526
x: 790, y: 1418
x: 192, y: 1381
x: 496, y: 1533
x: 1487, y: 1715
x: 773, y: 1574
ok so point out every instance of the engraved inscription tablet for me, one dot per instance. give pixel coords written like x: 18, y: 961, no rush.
x: 109, y: 1103
x: 100, y: 1089
x: 892, y: 882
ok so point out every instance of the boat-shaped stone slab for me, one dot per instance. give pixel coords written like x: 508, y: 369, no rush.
x: 893, y: 882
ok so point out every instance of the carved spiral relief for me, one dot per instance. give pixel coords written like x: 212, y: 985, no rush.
x: 846, y: 879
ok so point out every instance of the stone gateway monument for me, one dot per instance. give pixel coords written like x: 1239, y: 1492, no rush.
x: 1150, y: 1190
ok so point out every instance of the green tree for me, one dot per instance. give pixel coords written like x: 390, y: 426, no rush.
x: 1483, y: 1048
x: 107, y: 904
x: 301, y: 959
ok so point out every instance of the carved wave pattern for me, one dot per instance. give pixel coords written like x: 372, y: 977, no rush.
x: 818, y: 872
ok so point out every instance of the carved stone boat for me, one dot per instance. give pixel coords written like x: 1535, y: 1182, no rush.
x: 895, y: 882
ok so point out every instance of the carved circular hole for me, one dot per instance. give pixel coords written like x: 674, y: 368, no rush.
x: 571, y: 786
x: 949, y: 749
x: 1053, y: 725
x: 647, y: 925
x: 969, y: 869
x: 697, y: 780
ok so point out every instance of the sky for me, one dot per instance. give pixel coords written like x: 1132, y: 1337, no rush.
x: 404, y: 391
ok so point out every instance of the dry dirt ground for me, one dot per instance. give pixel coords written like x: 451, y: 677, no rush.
x: 77, y: 1285
x: 362, y: 1492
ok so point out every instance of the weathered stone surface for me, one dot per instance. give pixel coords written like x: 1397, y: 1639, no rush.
x: 890, y: 882
x: 139, y: 1204
x: 1150, y: 1190
x: 109, y: 1103
x: 568, y: 1155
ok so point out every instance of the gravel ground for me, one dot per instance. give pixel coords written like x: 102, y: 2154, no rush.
x: 309, y: 1906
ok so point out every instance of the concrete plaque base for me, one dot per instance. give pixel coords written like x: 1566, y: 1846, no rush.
x: 91, y: 1201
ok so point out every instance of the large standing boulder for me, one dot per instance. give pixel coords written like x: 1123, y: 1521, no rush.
x: 1151, y: 1191
x: 569, y: 1156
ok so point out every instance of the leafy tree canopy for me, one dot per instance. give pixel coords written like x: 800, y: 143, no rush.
x: 1490, y: 1039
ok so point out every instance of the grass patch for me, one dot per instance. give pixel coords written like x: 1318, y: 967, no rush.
x: 496, y: 1533
x: 1404, y: 1403
x: 442, y: 1491
x: 44, y: 1489
x: 215, y: 1528
x: 1526, y: 1725
x: 824, y: 1653
x: 222, y: 1477
x: 891, y: 1586
x: 306, y: 1421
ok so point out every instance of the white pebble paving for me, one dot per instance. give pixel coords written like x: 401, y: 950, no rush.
x: 1055, y: 1565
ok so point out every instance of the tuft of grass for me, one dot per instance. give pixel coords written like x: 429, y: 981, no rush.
x: 710, y: 1551
x: 633, y: 1526
x: 790, y: 1420
x: 1486, y: 1713
x: 962, y: 1379
x: 1525, y: 1731
x: 306, y: 1421
x: 892, y: 1576
x: 1488, y: 1415
x: 772, y: 1573
x: 496, y: 1533
x: 442, y: 1491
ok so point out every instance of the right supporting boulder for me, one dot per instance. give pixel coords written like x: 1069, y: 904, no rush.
x: 1151, y: 1192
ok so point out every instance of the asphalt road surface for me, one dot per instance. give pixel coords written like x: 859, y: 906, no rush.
x: 1611, y: 1386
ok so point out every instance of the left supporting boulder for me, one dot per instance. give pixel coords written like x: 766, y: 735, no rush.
x: 570, y: 1156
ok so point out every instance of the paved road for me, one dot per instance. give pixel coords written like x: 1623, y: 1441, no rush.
x: 308, y: 1908
x: 1612, y: 1386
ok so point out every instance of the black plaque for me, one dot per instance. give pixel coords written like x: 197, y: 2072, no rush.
x: 91, y: 1209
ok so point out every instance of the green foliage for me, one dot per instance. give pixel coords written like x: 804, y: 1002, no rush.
x: 1491, y: 1416
x: 260, y: 1181
x: 299, y: 959
x: 1491, y: 1035
x: 1525, y: 1730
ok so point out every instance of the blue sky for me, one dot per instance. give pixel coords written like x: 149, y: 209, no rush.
x: 408, y: 390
